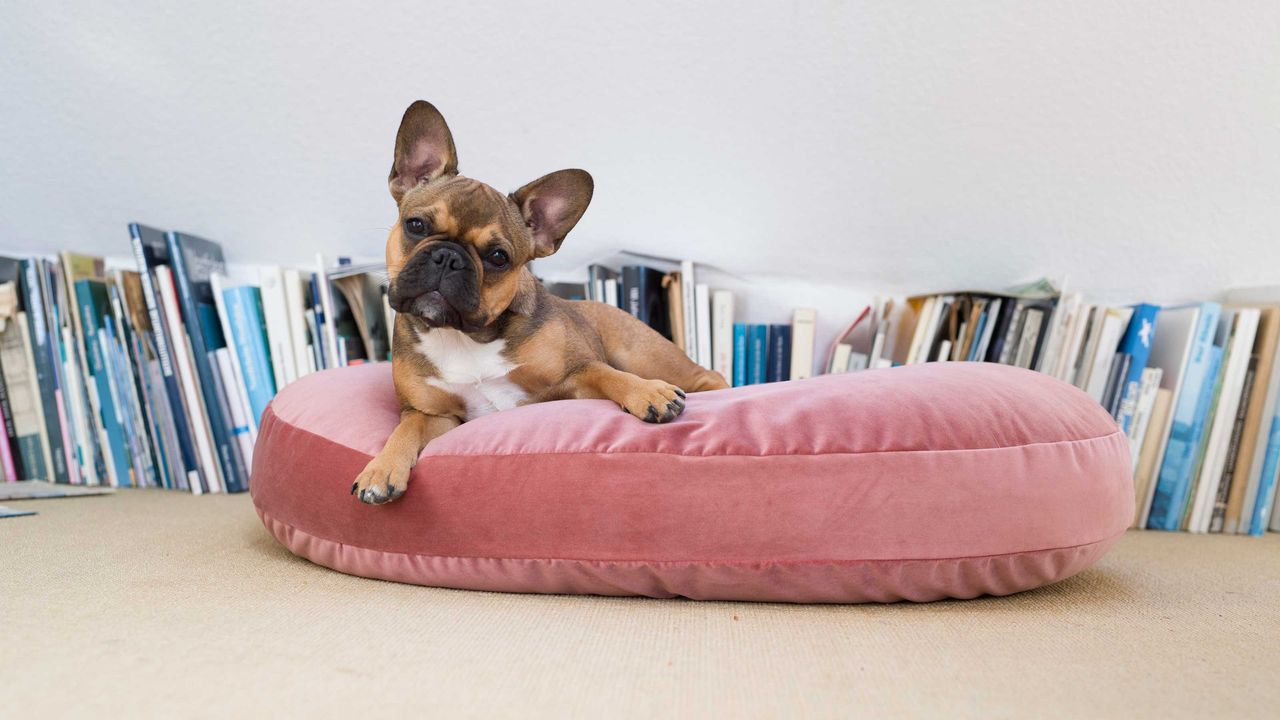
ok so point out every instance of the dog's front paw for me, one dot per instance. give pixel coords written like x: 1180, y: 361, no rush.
x: 654, y: 401
x: 380, y: 483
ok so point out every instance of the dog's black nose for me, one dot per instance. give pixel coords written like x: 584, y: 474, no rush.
x: 448, y: 257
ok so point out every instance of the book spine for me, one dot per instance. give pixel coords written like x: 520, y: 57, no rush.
x: 722, y: 342
x: 804, y: 330
x: 245, y: 317
x: 687, y: 282
x: 757, y: 359
x: 779, y: 360
x: 739, y: 354
x: 702, y: 296
x: 7, y: 446
x: 1137, y: 343
x: 632, y: 296
x: 46, y: 379
x: 1219, y: 514
x: 1174, y: 479
x: 1264, y: 505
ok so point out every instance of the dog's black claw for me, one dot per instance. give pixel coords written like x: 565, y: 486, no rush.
x: 680, y: 392
x: 673, y: 410
x: 652, y: 415
x: 353, y: 487
x: 625, y: 410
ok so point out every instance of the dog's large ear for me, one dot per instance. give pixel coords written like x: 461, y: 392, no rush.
x: 552, y: 205
x: 424, y: 149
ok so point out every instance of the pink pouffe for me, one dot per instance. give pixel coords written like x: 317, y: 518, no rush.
x: 946, y: 480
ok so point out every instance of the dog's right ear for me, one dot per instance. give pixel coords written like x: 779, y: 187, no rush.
x: 424, y: 149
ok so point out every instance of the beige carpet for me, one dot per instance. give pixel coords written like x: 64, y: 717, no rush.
x: 155, y: 604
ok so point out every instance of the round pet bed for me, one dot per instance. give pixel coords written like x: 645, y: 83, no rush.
x: 945, y: 480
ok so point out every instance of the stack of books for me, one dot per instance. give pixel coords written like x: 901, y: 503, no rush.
x: 700, y: 320
x: 157, y: 376
x: 1194, y: 387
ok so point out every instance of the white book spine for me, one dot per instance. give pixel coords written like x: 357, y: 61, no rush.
x: 804, y: 331
x: 687, y: 281
x: 944, y: 351
x: 877, y: 344
x: 611, y: 291
x: 328, y: 329
x: 1105, y: 352
x: 181, y: 349
x: 283, y: 366
x: 722, y: 333
x: 242, y: 430
x: 702, y: 296
x: 296, y: 309
x: 840, y: 359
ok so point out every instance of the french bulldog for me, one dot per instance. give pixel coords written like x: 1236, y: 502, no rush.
x: 475, y: 331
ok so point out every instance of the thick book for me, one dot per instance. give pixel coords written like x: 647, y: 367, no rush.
x: 757, y: 354
x: 46, y: 376
x: 284, y: 367
x: 644, y: 297
x: 1149, y: 454
x: 1136, y: 342
x: 194, y: 260
x: 1119, y: 369
x: 1113, y: 323
x: 804, y: 332
x: 740, y: 354
x: 150, y: 251
x: 1196, y: 378
x: 779, y: 356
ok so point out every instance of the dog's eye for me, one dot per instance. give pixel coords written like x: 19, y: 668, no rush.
x: 415, y: 226
x: 497, y: 259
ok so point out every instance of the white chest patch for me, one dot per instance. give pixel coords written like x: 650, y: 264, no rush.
x: 475, y: 372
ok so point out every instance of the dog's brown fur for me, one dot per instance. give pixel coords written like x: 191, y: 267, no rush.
x: 558, y: 349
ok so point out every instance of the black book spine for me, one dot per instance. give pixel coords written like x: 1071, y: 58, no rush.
x: 779, y: 353
x: 633, y: 294
x: 1219, y: 516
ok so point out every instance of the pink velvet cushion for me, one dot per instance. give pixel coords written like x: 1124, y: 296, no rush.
x: 918, y: 483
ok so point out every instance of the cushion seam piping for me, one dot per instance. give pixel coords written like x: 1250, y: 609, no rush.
x: 427, y: 454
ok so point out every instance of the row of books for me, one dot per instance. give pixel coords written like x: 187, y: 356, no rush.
x: 701, y: 322
x: 157, y: 376
x: 1196, y: 388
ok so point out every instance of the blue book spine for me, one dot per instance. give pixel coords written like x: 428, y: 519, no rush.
x: 1137, y: 343
x: 1196, y: 395
x: 977, y: 334
x: 779, y: 353
x: 757, y: 353
x: 91, y: 296
x: 739, y: 354
x: 1267, y: 484
x: 248, y: 330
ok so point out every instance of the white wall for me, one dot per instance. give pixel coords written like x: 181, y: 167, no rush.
x: 825, y: 150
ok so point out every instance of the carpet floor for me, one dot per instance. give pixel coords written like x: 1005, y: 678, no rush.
x: 156, y: 604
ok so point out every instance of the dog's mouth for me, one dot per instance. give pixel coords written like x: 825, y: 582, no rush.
x: 433, y: 308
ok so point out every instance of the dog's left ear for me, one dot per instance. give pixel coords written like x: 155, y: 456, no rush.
x: 552, y: 205
x: 424, y: 149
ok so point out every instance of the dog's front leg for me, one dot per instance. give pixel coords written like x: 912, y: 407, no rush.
x: 655, y: 401
x: 386, y: 477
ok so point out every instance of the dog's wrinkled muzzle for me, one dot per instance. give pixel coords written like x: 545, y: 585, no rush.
x: 438, y: 284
